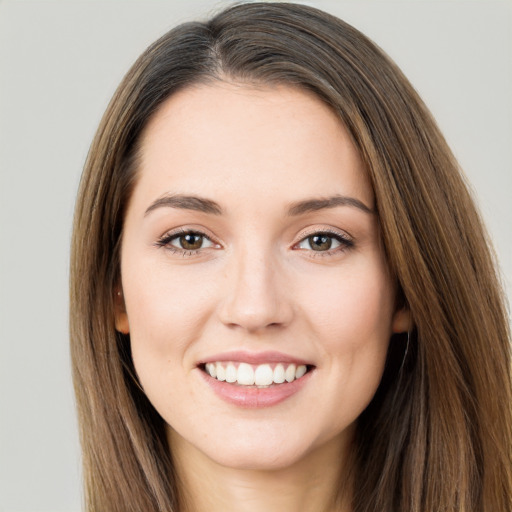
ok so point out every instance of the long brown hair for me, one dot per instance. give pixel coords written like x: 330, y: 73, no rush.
x: 438, y: 434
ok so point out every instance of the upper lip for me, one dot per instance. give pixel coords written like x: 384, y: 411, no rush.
x: 241, y: 356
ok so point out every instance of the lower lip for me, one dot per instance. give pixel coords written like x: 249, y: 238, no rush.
x: 252, y: 397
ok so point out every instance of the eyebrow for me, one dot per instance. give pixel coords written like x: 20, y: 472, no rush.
x: 313, y: 205
x: 184, y: 202
x: 200, y: 204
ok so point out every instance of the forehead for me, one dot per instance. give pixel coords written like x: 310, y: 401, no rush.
x: 224, y: 138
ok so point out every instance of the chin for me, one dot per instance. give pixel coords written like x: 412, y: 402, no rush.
x: 245, y: 446
x: 258, y: 459
x: 258, y: 447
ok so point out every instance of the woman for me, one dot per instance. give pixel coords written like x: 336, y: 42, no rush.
x: 282, y: 296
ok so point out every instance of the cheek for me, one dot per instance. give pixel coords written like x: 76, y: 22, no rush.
x: 352, y: 319
x: 351, y: 316
x: 356, y: 302
x: 167, y: 309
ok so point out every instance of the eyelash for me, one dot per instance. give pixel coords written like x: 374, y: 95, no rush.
x: 165, y: 241
x: 344, y: 240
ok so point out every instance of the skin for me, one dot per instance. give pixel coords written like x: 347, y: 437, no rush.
x: 256, y: 284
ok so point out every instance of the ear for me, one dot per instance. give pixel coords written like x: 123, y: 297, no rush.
x: 402, y: 320
x: 121, y: 317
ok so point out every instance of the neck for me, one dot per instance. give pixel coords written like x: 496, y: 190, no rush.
x: 313, y: 484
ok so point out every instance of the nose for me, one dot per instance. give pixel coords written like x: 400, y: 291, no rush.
x: 256, y: 297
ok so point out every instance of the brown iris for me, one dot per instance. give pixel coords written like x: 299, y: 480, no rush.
x: 320, y: 242
x: 191, y: 241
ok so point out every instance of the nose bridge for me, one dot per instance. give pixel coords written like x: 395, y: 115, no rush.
x: 254, y: 295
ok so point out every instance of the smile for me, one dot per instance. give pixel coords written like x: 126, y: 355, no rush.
x: 261, y: 375
x: 255, y: 380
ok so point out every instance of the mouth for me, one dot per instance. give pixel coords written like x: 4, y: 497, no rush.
x: 259, y: 376
x: 251, y: 380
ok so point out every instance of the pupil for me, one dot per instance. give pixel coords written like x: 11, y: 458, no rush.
x: 320, y: 242
x: 191, y: 241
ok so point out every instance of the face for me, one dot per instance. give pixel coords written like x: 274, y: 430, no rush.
x: 255, y: 289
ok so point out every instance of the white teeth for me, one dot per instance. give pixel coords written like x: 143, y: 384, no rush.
x: 289, y: 374
x: 252, y: 375
x: 245, y: 374
x: 279, y: 374
x: 210, y: 368
x: 231, y: 373
x: 263, y: 376
x: 221, y: 372
x: 301, y: 370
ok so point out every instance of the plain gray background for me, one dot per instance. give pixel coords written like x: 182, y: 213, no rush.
x: 60, y: 62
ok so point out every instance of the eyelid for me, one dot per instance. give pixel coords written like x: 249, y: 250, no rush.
x: 174, y: 238
x: 343, y: 237
x: 165, y: 239
x: 346, y: 240
x: 317, y: 230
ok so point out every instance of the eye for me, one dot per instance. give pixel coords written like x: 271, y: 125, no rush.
x: 186, y: 241
x: 191, y: 241
x: 325, y: 242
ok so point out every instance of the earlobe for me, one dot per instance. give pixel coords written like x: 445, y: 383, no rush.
x: 402, y: 320
x: 121, y: 317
